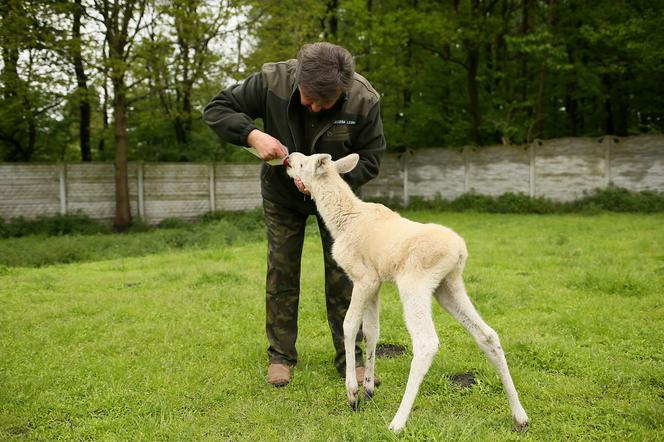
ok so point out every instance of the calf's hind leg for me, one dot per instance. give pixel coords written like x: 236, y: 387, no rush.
x: 452, y: 295
x: 416, y: 300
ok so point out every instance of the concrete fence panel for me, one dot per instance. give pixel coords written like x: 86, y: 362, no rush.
x: 30, y: 189
x: 561, y: 169
x: 237, y: 186
x: 179, y: 190
x: 637, y: 163
x: 496, y: 170
x: 567, y: 167
x: 91, y: 189
x: 436, y: 172
x: 389, y: 184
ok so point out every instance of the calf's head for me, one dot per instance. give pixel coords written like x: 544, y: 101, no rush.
x: 312, y: 167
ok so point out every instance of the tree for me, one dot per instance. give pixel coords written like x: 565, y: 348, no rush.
x: 17, y: 129
x: 31, y: 81
x: 450, y: 73
x: 180, y: 56
x: 121, y: 23
x: 83, y: 92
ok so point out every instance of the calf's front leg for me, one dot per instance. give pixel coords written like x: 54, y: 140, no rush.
x: 370, y: 328
x: 362, y: 292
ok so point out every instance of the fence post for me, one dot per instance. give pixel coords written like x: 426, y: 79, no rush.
x: 213, y: 203
x: 466, y: 169
x: 532, y: 156
x: 404, y: 168
x: 141, y: 194
x: 63, y: 188
x: 607, y: 160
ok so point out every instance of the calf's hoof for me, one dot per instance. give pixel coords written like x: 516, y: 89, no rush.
x: 353, y: 399
x: 368, y: 393
x: 521, y: 426
x: 396, y: 427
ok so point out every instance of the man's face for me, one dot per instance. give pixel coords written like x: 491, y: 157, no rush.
x: 316, y: 105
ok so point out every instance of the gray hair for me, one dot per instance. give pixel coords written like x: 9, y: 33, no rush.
x: 324, y: 69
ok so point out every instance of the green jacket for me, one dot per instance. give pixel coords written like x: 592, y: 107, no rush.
x: 352, y: 125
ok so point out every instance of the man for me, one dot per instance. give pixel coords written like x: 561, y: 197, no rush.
x: 315, y: 104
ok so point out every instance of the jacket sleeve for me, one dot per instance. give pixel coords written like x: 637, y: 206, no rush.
x: 370, y: 144
x: 232, y: 112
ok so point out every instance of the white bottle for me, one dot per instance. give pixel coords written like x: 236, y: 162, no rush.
x: 275, y: 162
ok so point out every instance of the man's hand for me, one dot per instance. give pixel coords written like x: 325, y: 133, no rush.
x: 267, y: 147
x: 301, y: 187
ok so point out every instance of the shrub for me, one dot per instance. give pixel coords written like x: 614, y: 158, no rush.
x: 57, y: 225
x: 613, y: 199
x: 244, y: 220
x: 617, y: 199
x: 173, y: 223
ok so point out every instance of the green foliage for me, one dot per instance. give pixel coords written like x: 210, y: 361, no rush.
x: 617, y: 199
x: 450, y: 73
x: 65, y: 239
x: 57, y: 225
x: 172, y: 223
x: 613, y: 199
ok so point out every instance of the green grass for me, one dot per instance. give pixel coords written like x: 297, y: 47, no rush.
x: 160, y: 336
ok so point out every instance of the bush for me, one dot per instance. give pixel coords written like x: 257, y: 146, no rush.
x: 244, y: 220
x: 233, y: 225
x: 617, y: 199
x: 57, y: 225
x: 613, y: 199
x: 173, y: 223
x: 139, y: 225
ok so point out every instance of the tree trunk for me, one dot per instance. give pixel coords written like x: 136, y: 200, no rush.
x: 540, y: 103
x: 104, y: 119
x: 525, y: 28
x: 472, y: 61
x: 187, y: 108
x: 621, y: 103
x: 571, y: 103
x: 18, y: 126
x: 122, y: 208
x: 572, y: 109
x: 117, y: 20
x: 82, y: 82
x: 332, y: 26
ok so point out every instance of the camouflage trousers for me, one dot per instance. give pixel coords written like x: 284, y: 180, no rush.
x: 285, y: 238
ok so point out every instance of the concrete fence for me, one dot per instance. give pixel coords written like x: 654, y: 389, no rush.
x: 156, y: 191
x: 560, y: 169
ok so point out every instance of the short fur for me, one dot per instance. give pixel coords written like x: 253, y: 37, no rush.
x: 374, y: 244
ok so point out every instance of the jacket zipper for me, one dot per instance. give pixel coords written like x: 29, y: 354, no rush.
x: 288, y: 121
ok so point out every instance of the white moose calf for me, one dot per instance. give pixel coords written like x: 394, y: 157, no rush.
x: 374, y: 244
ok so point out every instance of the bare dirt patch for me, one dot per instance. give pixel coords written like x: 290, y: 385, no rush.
x: 463, y: 380
x: 389, y: 350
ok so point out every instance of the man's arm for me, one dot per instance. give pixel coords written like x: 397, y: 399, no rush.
x: 232, y: 112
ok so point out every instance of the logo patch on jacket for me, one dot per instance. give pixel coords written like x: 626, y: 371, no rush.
x: 346, y: 122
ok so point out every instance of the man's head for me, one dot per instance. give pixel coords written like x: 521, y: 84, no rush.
x: 324, y: 72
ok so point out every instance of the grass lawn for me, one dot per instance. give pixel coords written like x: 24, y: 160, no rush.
x: 131, y: 345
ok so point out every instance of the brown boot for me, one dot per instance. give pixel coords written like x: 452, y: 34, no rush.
x: 359, y: 372
x: 278, y: 374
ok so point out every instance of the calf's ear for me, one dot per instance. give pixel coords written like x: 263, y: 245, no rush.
x: 347, y: 163
x: 322, y: 161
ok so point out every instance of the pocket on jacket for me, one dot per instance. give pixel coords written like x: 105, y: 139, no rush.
x: 338, y: 132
